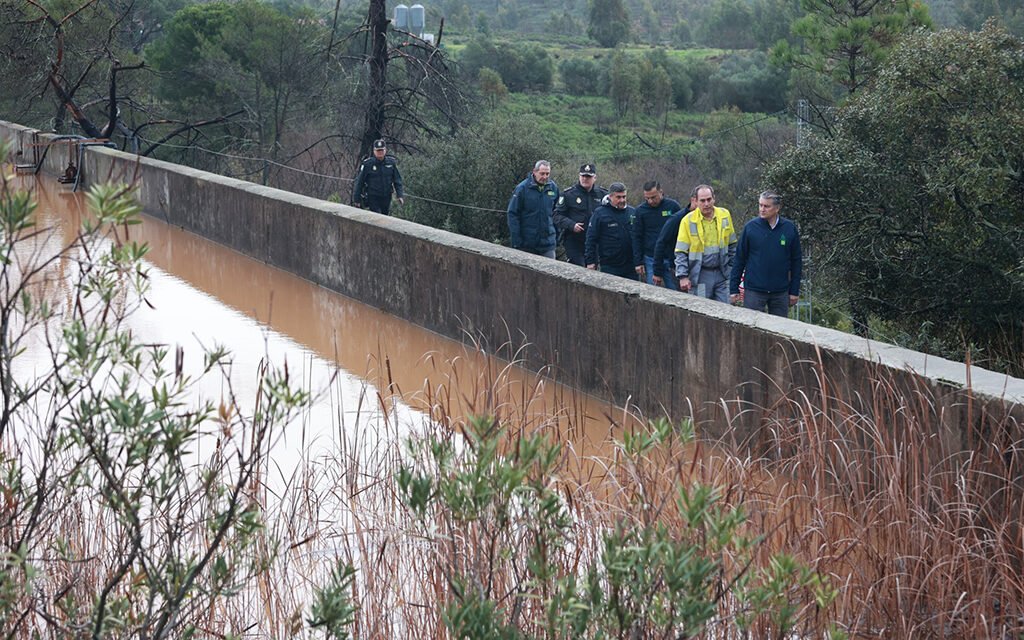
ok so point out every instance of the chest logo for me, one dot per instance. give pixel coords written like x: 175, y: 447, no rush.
x: 579, y: 200
x: 375, y: 168
x: 782, y: 241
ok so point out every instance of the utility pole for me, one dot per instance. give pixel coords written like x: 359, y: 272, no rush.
x: 804, y: 307
x: 803, y: 113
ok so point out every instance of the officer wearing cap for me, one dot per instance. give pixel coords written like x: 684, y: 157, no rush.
x: 573, y: 210
x: 377, y: 179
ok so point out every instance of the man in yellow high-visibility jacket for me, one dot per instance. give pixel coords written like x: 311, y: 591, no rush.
x: 705, y: 248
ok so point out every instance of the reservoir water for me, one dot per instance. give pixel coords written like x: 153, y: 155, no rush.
x: 374, y: 375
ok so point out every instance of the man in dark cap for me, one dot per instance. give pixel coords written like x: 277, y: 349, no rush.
x: 573, y: 211
x: 377, y: 179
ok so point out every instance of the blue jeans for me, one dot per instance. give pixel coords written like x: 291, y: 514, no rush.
x: 668, y: 270
x: 777, y: 303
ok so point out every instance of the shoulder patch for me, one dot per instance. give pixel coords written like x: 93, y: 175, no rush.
x: 561, y: 199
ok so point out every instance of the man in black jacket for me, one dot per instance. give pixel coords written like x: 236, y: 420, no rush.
x: 664, y: 248
x: 573, y: 211
x: 650, y: 220
x: 378, y: 177
x: 609, y: 237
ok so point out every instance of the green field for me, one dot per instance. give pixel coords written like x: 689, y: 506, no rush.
x: 588, y: 125
x: 454, y: 45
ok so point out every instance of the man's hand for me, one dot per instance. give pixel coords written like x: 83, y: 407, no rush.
x: 684, y: 284
x: 658, y: 280
x: 401, y: 200
x: 592, y: 267
x: 641, y: 271
x: 577, y: 228
x: 793, y: 300
x: 734, y: 298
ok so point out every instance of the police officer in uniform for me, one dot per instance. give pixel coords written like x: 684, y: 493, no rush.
x: 573, y: 211
x: 378, y: 177
x: 609, y: 242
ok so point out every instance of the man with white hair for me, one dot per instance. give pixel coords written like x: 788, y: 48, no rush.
x: 530, y: 226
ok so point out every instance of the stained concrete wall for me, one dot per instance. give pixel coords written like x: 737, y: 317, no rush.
x: 664, y: 352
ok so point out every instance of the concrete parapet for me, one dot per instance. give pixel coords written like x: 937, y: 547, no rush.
x: 664, y: 352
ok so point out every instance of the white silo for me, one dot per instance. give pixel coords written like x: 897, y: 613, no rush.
x: 417, y: 19
x: 401, y: 17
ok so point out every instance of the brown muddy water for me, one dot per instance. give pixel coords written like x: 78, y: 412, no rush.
x: 365, y: 367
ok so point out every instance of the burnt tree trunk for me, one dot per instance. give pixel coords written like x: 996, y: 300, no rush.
x: 378, y: 61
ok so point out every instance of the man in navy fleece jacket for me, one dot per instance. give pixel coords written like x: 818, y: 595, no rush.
x: 768, y: 260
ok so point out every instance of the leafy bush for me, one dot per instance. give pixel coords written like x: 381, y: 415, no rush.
x: 113, y: 523
x: 921, y: 182
x: 522, y: 66
x: 746, y: 81
x: 583, y: 77
x: 517, y: 566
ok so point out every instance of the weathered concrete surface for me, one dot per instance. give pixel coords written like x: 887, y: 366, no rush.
x: 664, y: 352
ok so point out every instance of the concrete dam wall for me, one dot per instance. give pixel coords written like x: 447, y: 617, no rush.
x: 664, y: 352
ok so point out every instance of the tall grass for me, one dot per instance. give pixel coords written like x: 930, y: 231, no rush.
x: 921, y: 539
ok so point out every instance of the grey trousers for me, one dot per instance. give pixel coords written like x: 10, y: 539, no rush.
x: 713, y: 284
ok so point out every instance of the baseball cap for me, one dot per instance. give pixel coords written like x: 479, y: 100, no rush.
x: 589, y: 169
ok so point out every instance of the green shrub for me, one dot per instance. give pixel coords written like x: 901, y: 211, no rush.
x: 522, y: 66
x: 111, y: 523
x: 518, y: 565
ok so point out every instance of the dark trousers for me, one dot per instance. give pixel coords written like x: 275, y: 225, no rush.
x: 623, y: 271
x: 776, y: 303
x: 378, y: 205
x: 573, y: 243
